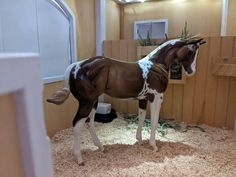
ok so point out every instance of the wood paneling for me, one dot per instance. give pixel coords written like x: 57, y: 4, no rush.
x: 231, y: 109
x: 177, y: 111
x: 132, y: 56
x: 231, y: 25
x: 211, y: 82
x: 203, y: 16
x: 112, y: 20
x: 84, y: 11
x: 188, y: 97
x: 200, y: 85
x: 58, y: 117
x: 10, y: 153
x: 205, y: 98
x: 223, y: 85
x: 167, y: 105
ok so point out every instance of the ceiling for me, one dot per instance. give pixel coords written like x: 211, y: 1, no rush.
x: 129, y: 1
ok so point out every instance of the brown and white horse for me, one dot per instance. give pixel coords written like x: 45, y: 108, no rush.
x: 145, y: 80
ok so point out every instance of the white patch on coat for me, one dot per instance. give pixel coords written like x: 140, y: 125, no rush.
x: 145, y: 65
x: 77, y: 67
x: 146, y: 90
x: 67, y: 75
x: 68, y: 72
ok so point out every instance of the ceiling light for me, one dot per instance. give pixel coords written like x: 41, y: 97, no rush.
x: 129, y: 1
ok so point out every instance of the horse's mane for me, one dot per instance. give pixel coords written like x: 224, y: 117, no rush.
x: 166, y: 45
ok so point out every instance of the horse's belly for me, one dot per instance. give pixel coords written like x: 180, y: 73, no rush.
x: 124, y: 81
x: 122, y: 97
x: 122, y: 91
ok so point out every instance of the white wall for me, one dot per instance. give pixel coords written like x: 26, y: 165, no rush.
x: 36, y: 26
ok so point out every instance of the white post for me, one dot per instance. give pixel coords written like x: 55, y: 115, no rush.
x: 100, y: 30
x: 224, y: 17
x: 100, y: 25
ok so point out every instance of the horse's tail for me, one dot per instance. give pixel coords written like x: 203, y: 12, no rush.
x: 60, y: 96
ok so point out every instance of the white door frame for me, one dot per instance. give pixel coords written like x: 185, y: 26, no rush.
x: 20, y: 75
x: 100, y: 25
x: 224, y: 17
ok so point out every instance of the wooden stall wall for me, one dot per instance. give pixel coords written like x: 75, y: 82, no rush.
x: 203, y: 16
x: 112, y: 20
x: 84, y: 11
x: 205, y: 98
x: 10, y: 153
x: 231, y: 25
x: 58, y: 117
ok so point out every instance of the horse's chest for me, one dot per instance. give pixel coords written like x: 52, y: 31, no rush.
x: 145, y: 66
x: 155, y: 80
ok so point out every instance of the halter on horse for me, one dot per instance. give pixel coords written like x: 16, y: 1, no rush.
x: 145, y: 80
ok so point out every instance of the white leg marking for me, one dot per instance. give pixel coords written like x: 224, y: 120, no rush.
x: 77, y: 132
x: 92, y: 130
x: 155, y: 110
x: 141, y: 118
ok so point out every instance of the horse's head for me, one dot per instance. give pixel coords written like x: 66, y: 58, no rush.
x: 187, y: 54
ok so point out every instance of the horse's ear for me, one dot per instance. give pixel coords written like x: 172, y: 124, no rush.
x: 202, y: 42
x: 166, y: 36
x: 180, y: 43
x: 199, y: 41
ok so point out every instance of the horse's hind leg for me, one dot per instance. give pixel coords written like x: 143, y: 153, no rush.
x: 77, y: 142
x: 91, y: 128
x: 155, y: 110
x: 79, y: 123
x: 141, y: 118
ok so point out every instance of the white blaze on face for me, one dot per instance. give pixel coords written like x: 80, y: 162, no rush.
x: 193, y: 65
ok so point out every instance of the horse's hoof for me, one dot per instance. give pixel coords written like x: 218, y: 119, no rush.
x: 140, y: 142
x: 79, y: 160
x: 101, y: 149
x: 139, y: 139
x: 81, y: 164
x: 154, y: 146
x: 155, y: 149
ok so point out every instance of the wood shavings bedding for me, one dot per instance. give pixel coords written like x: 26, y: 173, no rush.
x: 193, y: 153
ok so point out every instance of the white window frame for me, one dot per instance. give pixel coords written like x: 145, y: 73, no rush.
x: 136, y: 23
x: 69, y: 15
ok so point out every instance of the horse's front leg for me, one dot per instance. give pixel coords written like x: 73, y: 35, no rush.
x: 141, y: 118
x: 155, y: 110
x: 92, y: 131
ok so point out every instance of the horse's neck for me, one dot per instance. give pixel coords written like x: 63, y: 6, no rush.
x: 165, y: 59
